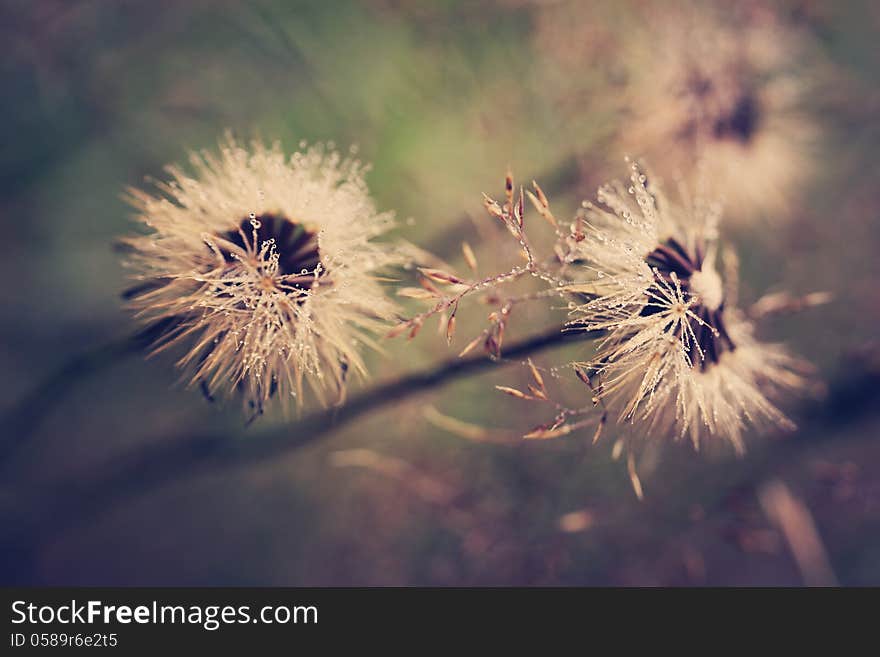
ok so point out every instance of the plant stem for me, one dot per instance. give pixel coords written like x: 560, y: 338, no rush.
x: 174, y: 459
x: 17, y: 425
x: 21, y: 421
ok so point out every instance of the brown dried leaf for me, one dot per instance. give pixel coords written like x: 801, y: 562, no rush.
x: 535, y: 202
x: 513, y: 392
x: 544, y: 433
x: 430, y: 287
x: 542, y: 198
x: 416, y: 293
x: 536, y: 375
x: 493, y: 208
x: 634, y: 477
x: 537, y: 392
x: 442, y: 319
x: 440, y: 276
x: 469, y: 256
x: 519, y: 210
x: 542, y: 205
x: 397, y: 330
x: 599, y: 428
x: 470, y: 346
x: 584, y: 376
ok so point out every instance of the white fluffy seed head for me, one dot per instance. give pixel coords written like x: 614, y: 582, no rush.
x: 265, y: 267
x: 676, y: 358
x: 730, y: 90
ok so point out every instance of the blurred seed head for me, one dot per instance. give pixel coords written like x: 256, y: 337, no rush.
x: 689, y: 82
x: 265, y: 267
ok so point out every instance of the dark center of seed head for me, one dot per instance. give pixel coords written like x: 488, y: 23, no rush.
x: 297, y: 246
x: 737, y: 120
x: 711, y: 333
x: 741, y: 122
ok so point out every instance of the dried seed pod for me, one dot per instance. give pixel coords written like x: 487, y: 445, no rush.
x: 266, y: 267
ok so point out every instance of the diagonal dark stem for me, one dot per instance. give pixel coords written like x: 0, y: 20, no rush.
x: 154, y: 466
x: 24, y: 417
x: 21, y: 421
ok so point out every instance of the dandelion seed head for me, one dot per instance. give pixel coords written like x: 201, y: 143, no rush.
x: 265, y: 267
x: 730, y: 91
x: 729, y: 85
x: 677, y: 357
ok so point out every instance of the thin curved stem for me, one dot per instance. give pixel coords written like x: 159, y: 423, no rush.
x: 172, y: 460
x: 25, y: 416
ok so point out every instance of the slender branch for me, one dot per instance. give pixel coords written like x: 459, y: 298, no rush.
x: 24, y: 418
x: 19, y: 423
x: 157, y: 465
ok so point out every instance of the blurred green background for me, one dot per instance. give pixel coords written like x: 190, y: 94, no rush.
x: 441, y: 97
